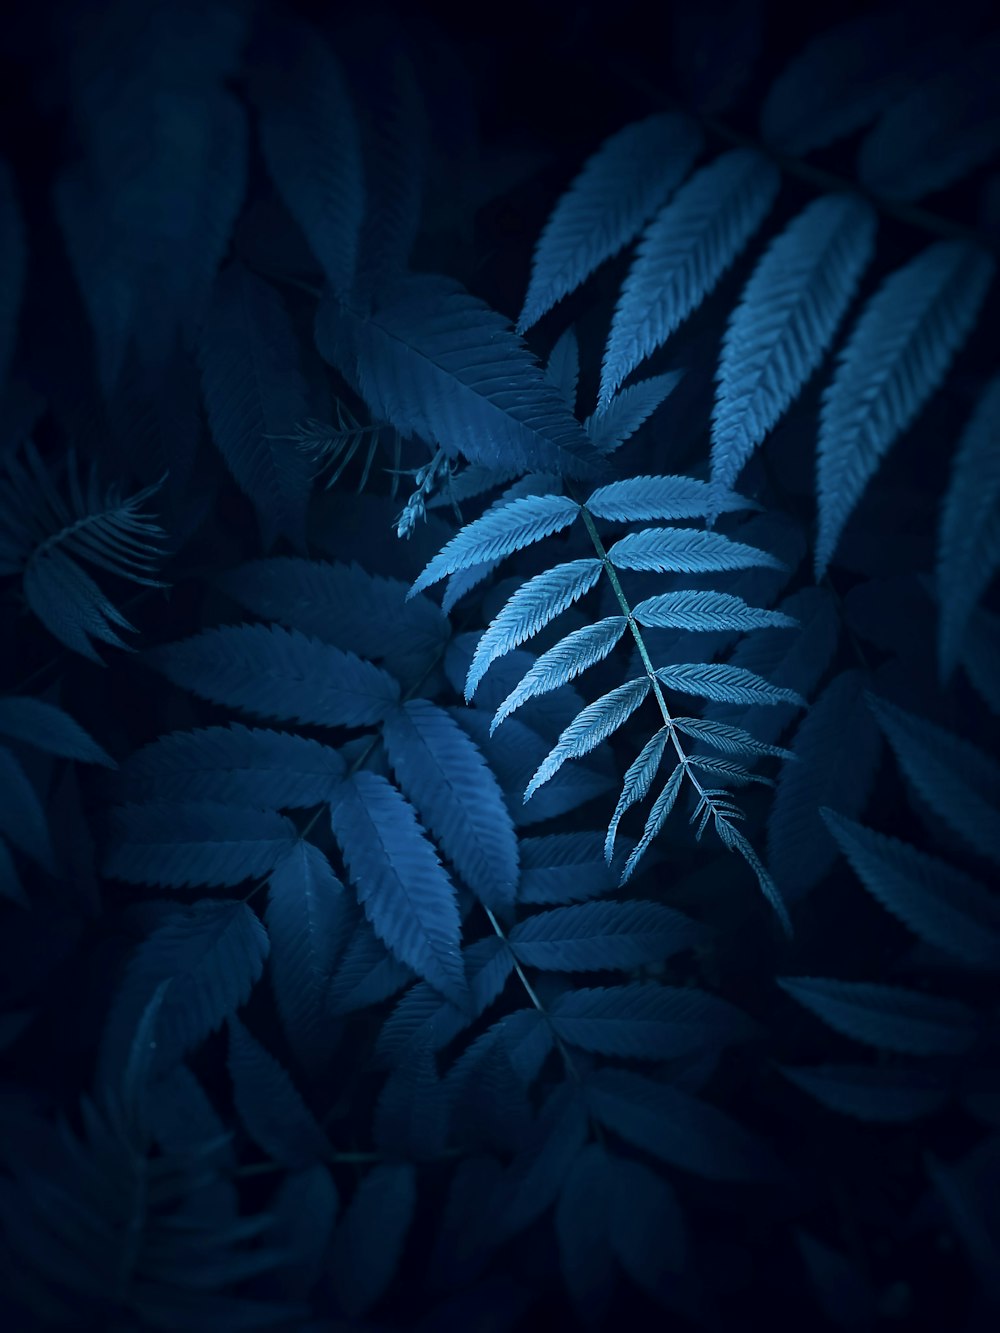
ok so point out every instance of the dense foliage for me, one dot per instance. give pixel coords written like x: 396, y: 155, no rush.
x: 498, y: 690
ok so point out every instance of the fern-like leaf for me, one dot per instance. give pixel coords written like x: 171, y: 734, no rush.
x: 628, y: 409
x: 48, y: 728
x: 341, y: 604
x: 255, y: 392
x: 236, y: 765
x: 564, y: 662
x: 594, y: 724
x: 620, y: 187
x: 784, y: 323
x: 678, y: 1129
x: 869, y: 1093
x: 726, y: 684
x: 443, y: 773
x: 181, y: 843
x: 43, y: 537
x: 706, y: 611
x: 942, y: 905
x: 582, y: 1224
x: 638, y: 779
x: 682, y: 255
x: 647, y: 1021
x: 270, y: 1105
x: 594, y: 936
x: 686, y: 551
x: 563, y: 868
x: 969, y: 538
x: 563, y: 366
x: 499, y: 533
x: 275, y: 673
x: 639, y: 498
x: 217, y: 951
x: 890, y: 1018
x: 728, y: 739
x: 308, y: 916
x: 895, y: 358
x: 959, y: 782
x: 401, y: 884
x: 657, y: 817
x: 437, y: 362
x: 529, y: 610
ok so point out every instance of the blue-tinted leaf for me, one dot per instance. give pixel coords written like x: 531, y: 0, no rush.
x: 882, y: 1095
x: 968, y: 553
x: 435, y: 361
x: 647, y: 1021
x: 942, y: 905
x: 216, y: 950
x: 728, y: 684
x: 678, y: 1129
x: 563, y: 366
x: 272, y: 672
x: 532, y: 1182
x: 784, y: 323
x: 498, y: 533
x: 895, y: 357
x: 618, y: 190
x: 594, y: 724
x: 411, y: 1115
x: 657, y: 817
x: 22, y: 816
x: 12, y: 259
x: 424, y: 1018
x: 638, y: 498
x: 687, y: 551
x: 846, y: 75
x: 583, y: 1230
x: 181, y: 843
x: 628, y: 409
x: 797, y: 661
x: 968, y: 1189
x: 729, y: 739
x: 46, y: 727
x: 368, y: 1242
x: 269, y: 1104
x: 529, y: 610
x: 891, y: 1018
x: 707, y: 611
x: 237, y: 765
x: 341, y: 604
x: 255, y: 393
x: 563, y: 868
x: 941, y: 131
x: 959, y: 782
x: 646, y: 1225
x: 366, y: 973
x: 594, y: 936
x: 636, y: 784
x: 441, y: 770
x: 564, y: 662
x: 683, y: 253
x: 308, y: 916
x: 311, y: 144
x: 838, y: 750
x: 401, y: 884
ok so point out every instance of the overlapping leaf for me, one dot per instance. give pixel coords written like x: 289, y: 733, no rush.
x: 598, y: 935
x: 618, y: 190
x: 895, y: 357
x: 891, y: 1018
